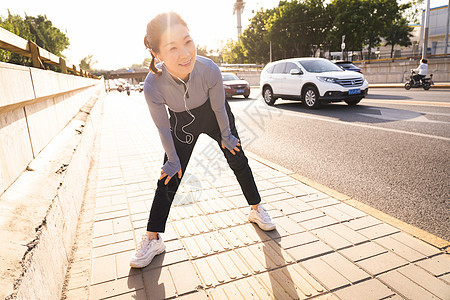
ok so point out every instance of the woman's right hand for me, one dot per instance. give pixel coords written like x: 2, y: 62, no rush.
x: 163, y: 174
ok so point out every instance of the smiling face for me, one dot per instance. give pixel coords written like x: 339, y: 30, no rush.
x: 177, y: 50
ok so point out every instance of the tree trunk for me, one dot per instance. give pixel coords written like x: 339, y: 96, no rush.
x: 392, y: 52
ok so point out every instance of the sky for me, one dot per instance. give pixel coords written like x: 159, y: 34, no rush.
x: 113, y: 32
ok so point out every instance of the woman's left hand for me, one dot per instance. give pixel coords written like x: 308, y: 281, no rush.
x: 235, y: 148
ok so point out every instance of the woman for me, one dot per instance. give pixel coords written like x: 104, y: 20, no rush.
x: 191, y: 87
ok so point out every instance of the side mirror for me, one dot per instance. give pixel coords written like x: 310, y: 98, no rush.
x: 295, y: 72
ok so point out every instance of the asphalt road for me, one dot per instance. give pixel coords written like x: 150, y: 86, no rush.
x: 392, y: 151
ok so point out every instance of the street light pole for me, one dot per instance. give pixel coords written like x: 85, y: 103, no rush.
x: 446, y: 27
x: 427, y: 25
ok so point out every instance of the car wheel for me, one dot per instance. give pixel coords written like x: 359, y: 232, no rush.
x: 311, y: 97
x: 407, y: 86
x: 268, y: 96
x: 426, y: 86
x: 352, y: 102
x: 246, y: 96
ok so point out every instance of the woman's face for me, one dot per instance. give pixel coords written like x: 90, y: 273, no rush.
x: 177, y: 50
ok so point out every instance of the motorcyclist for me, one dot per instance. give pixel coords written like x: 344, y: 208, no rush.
x: 421, y: 71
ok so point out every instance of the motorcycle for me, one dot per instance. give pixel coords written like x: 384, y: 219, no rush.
x: 127, y: 88
x: 425, y: 82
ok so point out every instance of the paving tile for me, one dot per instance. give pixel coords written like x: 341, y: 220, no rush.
x: 399, y: 248
x: 110, y: 208
x: 102, y: 228
x: 184, y: 277
x: 334, y: 212
x: 382, y: 263
x: 331, y: 238
x: 314, y: 196
x: 426, y: 280
x: 310, y: 250
x: 159, y: 284
x: 345, y: 267
x: 295, y: 190
x: 113, y: 238
x: 78, y: 293
x: 198, y: 295
x: 437, y: 265
x: 253, y: 258
x: 165, y: 259
x: 347, y: 233
x: 284, y: 207
x: 169, y: 234
x: 103, y: 269
x: 377, y: 231
x: 111, y: 215
x: 368, y: 290
x: 404, y: 286
x: 173, y: 245
x: 289, y: 225
x: 328, y: 276
x: 351, y: 211
x: 122, y: 262
x: 298, y: 239
x: 416, y: 244
x: 319, y: 222
x: 363, y: 251
x: 445, y: 278
x: 278, y: 198
x: 323, y: 202
x: 291, y: 282
x: 300, y: 205
x: 329, y: 296
x: 363, y: 222
x: 117, y: 287
x: 134, y: 295
x: 307, y: 215
x: 113, y: 248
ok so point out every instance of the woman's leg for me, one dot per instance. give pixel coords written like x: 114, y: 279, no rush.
x: 238, y: 163
x: 165, y: 194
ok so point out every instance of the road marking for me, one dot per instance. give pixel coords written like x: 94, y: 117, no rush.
x: 406, y: 102
x: 299, y: 114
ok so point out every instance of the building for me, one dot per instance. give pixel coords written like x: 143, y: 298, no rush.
x: 437, y: 31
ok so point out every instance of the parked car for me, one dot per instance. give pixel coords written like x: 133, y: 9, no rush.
x: 348, y: 66
x: 312, y: 81
x: 233, y: 85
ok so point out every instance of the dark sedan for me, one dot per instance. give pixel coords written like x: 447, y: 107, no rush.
x: 348, y: 66
x: 233, y: 85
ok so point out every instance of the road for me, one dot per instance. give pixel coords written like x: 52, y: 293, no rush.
x: 391, y: 152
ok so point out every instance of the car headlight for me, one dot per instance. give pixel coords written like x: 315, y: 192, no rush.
x: 327, y: 79
x: 227, y: 87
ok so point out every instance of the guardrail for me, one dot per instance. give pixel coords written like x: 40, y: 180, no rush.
x: 39, y: 56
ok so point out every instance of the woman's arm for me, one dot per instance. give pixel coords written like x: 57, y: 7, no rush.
x: 160, y: 118
x: 217, y: 99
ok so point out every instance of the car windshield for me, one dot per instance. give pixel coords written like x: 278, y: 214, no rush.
x: 319, y: 66
x: 229, y: 77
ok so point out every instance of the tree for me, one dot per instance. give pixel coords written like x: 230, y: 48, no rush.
x: 399, y: 33
x: 87, y: 63
x: 255, y: 38
x: 37, y: 29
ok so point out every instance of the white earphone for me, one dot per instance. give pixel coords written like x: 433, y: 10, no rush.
x: 189, y: 136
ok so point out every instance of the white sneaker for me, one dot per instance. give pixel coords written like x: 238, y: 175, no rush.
x: 262, y: 218
x: 146, y: 251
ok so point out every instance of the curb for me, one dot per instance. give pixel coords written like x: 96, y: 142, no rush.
x: 403, y: 226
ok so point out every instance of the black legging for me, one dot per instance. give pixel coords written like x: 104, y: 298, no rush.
x: 205, y: 122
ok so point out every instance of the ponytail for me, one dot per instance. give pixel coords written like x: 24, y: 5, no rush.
x: 153, y: 67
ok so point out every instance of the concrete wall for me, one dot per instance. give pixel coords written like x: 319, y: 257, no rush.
x: 34, y: 106
x: 395, y: 72
x: 48, y: 123
x: 382, y: 72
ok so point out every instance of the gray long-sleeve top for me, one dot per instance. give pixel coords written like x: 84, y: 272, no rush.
x: 205, y: 81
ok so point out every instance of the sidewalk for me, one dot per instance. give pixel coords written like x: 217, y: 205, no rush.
x: 323, y: 248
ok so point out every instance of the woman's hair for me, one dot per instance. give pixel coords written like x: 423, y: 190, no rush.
x: 155, y: 28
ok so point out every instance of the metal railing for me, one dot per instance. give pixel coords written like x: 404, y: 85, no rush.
x: 39, y: 56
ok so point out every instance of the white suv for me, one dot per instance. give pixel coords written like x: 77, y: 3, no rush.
x: 311, y: 80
